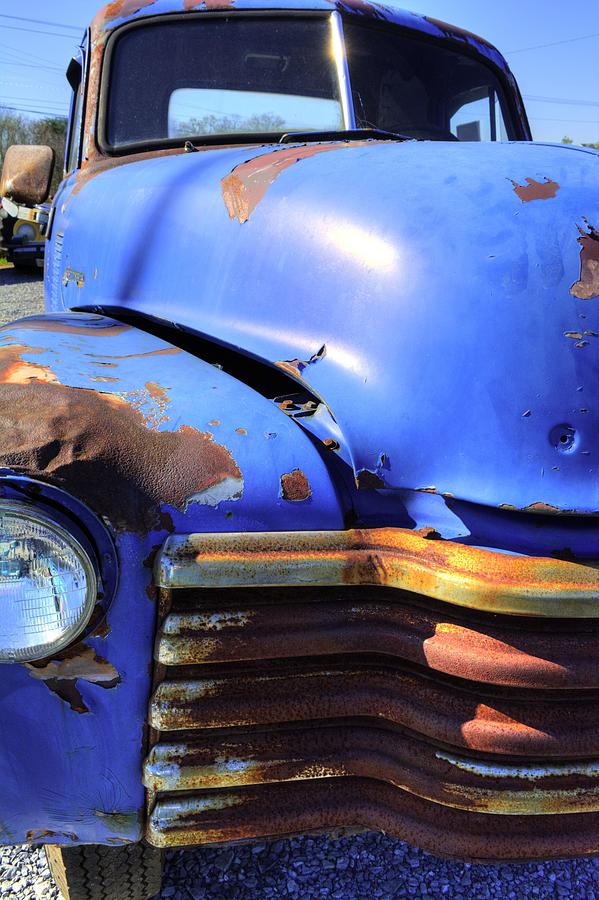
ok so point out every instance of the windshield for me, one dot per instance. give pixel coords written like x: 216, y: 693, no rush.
x: 422, y: 90
x: 202, y: 79
x: 219, y: 76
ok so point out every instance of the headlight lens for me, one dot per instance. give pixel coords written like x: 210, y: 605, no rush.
x: 48, y: 585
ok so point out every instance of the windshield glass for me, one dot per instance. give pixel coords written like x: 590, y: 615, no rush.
x: 422, y: 90
x: 182, y: 79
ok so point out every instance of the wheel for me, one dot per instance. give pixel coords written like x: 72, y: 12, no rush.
x: 131, y: 872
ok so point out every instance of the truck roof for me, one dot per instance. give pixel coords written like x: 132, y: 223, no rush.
x: 117, y: 13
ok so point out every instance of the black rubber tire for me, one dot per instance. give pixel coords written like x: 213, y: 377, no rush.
x: 131, y: 872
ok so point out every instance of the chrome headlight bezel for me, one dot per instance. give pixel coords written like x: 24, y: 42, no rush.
x: 40, y: 516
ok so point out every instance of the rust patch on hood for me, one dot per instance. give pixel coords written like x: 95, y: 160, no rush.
x: 79, y: 663
x: 121, y: 8
x: 295, y: 487
x: 536, y: 190
x: 587, y: 288
x: 99, y: 448
x: 154, y: 396
x: 209, y: 4
x: 543, y: 508
x: 248, y: 183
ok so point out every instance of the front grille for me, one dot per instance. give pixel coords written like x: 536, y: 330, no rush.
x: 286, y: 709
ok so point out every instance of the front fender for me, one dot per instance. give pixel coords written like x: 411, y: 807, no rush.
x: 150, y: 440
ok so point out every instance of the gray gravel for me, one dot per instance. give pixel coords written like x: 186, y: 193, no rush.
x: 356, y: 868
x: 21, y: 293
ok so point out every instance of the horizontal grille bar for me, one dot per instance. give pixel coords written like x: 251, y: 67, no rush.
x: 324, y: 804
x: 399, y: 759
x: 514, y: 652
x: 520, y: 725
x: 392, y: 557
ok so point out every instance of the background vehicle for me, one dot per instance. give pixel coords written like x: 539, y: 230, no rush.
x: 23, y: 239
x: 299, y: 517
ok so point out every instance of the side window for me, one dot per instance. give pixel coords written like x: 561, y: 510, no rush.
x: 75, y: 79
x: 478, y: 118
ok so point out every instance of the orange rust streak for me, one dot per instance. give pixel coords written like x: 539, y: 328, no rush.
x: 536, y: 190
x: 168, y: 351
x: 15, y: 370
x: 209, y: 4
x: 248, y: 183
x: 121, y: 8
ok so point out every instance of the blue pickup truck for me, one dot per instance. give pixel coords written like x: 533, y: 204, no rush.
x: 299, y: 485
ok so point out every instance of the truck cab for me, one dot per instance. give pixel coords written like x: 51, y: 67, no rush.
x: 298, y: 471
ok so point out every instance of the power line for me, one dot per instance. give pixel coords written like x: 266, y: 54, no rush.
x: 594, y: 122
x: 41, y: 22
x: 70, y: 37
x: 584, y: 37
x: 60, y: 107
x: 9, y: 62
x: 34, y: 84
x: 15, y: 51
x: 40, y: 112
x: 561, y: 100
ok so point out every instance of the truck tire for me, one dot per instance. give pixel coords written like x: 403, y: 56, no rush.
x: 131, y: 872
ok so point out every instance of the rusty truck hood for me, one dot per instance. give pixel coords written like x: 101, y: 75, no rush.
x: 441, y: 299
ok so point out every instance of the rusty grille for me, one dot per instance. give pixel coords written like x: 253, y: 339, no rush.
x: 285, y: 709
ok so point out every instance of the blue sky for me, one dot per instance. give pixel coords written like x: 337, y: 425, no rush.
x: 32, y: 64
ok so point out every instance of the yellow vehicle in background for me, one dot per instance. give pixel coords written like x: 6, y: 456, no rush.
x: 22, y: 234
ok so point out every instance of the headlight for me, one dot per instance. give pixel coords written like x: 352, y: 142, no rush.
x: 47, y: 585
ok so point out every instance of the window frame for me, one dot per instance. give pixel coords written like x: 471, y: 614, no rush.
x: 72, y: 159
x: 516, y: 117
x: 240, y: 138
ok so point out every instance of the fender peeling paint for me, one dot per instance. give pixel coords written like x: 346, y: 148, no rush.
x: 61, y: 674
x: 587, y: 287
x: 104, y: 449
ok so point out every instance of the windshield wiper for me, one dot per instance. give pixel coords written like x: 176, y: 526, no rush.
x: 354, y: 134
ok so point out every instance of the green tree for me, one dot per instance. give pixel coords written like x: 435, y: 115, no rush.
x: 14, y: 129
x: 594, y: 146
x: 567, y: 140
x: 53, y: 133
x: 255, y: 124
x: 17, y: 129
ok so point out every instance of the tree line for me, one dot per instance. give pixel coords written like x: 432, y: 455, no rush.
x: 568, y: 140
x: 51, y: 131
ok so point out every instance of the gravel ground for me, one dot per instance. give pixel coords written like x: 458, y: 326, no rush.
x: 356, y: 868
x: 21, y: 293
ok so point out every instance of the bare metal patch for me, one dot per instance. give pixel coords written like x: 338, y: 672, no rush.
x: 587, y: 287
x: 536, y: 190
x: 79, y: 663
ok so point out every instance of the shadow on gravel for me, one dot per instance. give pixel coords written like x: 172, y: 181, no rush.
x: 361, y: 868
x: 10, y: 275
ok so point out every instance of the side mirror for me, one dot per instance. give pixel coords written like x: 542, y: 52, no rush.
x: 27, y: 174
